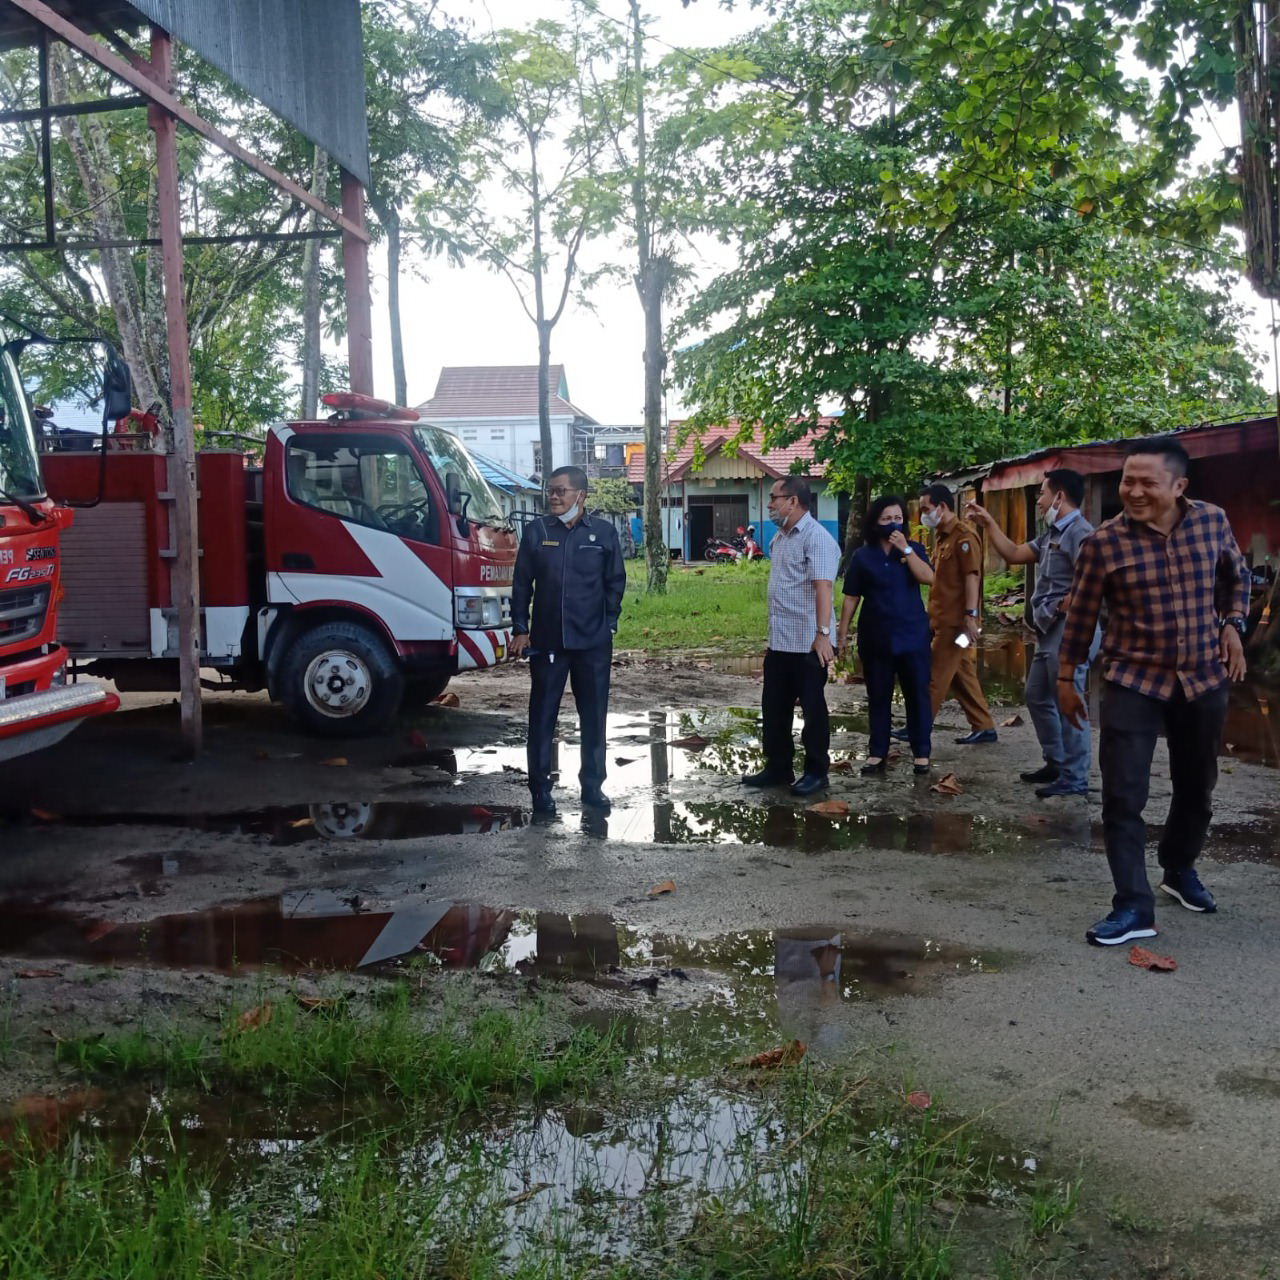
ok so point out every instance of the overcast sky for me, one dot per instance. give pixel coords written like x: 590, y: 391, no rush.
x: 471, y: 316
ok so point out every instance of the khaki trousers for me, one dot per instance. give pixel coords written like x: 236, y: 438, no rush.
x: 955, y: 670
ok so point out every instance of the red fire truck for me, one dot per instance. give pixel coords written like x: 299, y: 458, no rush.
x: 37, y: 706
x: 362, y: 562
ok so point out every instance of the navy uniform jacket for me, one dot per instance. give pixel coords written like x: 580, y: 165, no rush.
x: 574, y: 578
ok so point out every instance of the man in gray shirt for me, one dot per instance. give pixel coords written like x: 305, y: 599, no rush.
x: 1066, y: 749
x: 803, y: 558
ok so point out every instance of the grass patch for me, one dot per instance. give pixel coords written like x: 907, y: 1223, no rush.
x: 712, y: 606
x: 463, y: 1058
x: 806, y: 1172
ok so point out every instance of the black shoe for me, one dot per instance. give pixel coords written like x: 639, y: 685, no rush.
x: 1121, y: 925
x: 1046, y: 773
x: 594, y: 798
x: 877, y: 767
x: 919, y: 768
x: 1061, y: 788
x: 809, y: 784
x: 978, y: 735
x: 543, y: 802
x: 900, y: 735
x: 1185, y: 887
x: 768, y: 778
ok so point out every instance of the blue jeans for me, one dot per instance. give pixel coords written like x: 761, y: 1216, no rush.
x: 1062, y: 745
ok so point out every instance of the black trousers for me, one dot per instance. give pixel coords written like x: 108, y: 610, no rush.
x: 912, y: 672
x: 587, y: 671
x: 1130, y: 724
x: 790, y: 678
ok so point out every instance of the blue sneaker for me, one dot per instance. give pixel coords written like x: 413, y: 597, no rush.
x: 1185, y: 887
x: 1122, y: 925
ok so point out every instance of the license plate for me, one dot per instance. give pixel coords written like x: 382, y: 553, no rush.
x: 2, y: 692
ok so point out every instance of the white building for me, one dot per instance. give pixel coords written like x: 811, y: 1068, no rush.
x: 493, y: 409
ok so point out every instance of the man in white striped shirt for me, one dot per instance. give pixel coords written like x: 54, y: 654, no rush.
x: 803, y: 559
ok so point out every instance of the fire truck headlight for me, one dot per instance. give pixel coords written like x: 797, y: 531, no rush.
x: 477, y: 611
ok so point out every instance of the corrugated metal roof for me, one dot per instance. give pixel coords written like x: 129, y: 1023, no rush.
x: 498, y: 391
x: 772, y: 462
x: 503, y: 477
x: 1197, y: 439
x: 304, y: 61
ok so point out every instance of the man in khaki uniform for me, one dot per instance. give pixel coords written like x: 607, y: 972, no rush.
x: 955, y: 610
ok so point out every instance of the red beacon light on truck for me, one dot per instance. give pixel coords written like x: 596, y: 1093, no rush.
x: 351, y: 405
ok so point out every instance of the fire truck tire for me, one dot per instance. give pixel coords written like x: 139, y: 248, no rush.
x: 339, y: 680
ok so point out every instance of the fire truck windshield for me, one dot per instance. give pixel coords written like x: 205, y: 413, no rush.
x: 449, y: 457
x: 19, y: 463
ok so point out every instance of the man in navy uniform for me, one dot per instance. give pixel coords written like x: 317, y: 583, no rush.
x: 570, y: 568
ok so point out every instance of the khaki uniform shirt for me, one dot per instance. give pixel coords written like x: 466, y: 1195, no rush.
x: 957, y: 554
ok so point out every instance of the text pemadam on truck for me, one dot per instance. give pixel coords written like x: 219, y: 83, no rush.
x: 347, y: 566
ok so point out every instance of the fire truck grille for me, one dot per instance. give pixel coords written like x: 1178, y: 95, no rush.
x: 22, y: 614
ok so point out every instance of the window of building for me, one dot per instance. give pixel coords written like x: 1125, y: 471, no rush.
x: 497, y: 433
x: 469, y: 433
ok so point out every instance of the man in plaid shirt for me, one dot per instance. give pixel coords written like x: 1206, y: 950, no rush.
x: 1176, y: 590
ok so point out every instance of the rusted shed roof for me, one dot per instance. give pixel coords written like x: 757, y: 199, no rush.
x: 498, y: 391
x: 1201, y: 440
x: 771, y: 462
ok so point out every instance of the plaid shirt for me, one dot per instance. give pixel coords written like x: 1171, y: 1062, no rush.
x: 798, y: 557
x: 1164, y: 596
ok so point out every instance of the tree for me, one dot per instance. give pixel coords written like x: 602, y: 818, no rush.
x: 240, y: 298
x: 945, y: 335
x: 545, y: 154
x: 425, y: 82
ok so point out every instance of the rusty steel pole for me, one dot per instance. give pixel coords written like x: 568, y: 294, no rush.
x: 184, y: 573
x: 355, y: 266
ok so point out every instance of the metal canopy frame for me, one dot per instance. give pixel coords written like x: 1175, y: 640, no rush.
x: 153, y: 81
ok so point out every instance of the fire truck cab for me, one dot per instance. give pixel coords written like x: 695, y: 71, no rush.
x: 359, y: 563
x: 37, y: 706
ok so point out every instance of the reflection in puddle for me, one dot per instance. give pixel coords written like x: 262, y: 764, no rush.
x: 334, y: 820
x: 318, y: 929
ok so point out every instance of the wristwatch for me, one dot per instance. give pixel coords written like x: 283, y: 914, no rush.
x: 1236, y: 624
x: 971, y: 613
x: 907, y: 551
x: 824, y: 631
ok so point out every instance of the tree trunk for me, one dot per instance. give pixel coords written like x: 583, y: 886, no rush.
x: 311, y: 294
x: 391, y: 221
x: 547, y: 464
x: 92, y: 156
x: 652, y: 285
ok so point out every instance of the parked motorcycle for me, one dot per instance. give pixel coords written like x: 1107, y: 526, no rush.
x: 743, y: 546
x: 721, y: 551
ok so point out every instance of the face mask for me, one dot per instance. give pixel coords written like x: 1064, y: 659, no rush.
x: 1052, y: 515
x: 568, y: 517
x: 778, y: 518
x: 930, y: 518
x: 888, y: 530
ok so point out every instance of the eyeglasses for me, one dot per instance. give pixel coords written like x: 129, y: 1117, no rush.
x: 780, y: 497
x: 560, y: 491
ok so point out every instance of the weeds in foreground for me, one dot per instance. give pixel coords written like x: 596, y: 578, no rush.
x: 284, y: 1046
x: 659, y: 1164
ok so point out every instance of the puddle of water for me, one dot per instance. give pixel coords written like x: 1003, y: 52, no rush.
x: 335, y: 820
x: 318, y: 929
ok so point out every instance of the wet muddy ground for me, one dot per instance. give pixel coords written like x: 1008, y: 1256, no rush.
x: 941, y: 934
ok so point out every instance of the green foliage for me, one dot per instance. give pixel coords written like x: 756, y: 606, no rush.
x: 613, y: 495
x: 915, y: 250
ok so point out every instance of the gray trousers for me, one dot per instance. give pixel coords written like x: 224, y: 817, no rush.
x: 1062, y: 745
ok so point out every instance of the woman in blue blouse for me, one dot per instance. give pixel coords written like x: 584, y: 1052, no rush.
x: 885, y: 575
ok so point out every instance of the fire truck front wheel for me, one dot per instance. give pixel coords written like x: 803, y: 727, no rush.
x: 338, y: 679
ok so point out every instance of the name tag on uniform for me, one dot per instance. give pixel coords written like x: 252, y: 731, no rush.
x: 546, y: 543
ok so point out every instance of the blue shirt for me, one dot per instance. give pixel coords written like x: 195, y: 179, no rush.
x: 1057, y: 551
x: 893, y: 618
